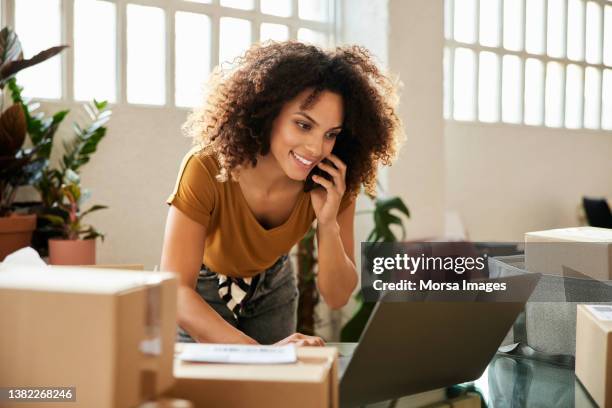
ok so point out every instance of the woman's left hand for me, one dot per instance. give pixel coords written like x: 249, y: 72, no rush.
x: 326, y: 200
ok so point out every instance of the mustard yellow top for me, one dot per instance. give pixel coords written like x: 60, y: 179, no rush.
x: 236, y: 243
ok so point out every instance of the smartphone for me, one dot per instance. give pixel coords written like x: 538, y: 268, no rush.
x: 309, y: 184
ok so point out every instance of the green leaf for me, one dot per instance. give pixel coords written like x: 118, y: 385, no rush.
x: 56, y: 220
x: 92, y: 209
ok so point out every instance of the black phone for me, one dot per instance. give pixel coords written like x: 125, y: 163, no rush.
x: 309, y: 184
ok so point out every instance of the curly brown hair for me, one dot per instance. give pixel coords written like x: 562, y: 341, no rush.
x: 243, y: 101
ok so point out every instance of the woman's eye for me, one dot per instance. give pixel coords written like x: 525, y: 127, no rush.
x: 303, y: 125
x: 332, y: 135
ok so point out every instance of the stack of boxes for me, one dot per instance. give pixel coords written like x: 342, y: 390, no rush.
x: 584, y: 253
x: 110, y: 335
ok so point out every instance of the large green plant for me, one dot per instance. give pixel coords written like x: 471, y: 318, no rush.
x: 19, y: 165
x: 384, y: 218
x: 61, y: 193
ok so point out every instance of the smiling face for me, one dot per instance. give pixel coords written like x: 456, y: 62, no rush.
x: 302, y: 137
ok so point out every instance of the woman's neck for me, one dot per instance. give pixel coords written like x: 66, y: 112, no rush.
x: 267, y: 177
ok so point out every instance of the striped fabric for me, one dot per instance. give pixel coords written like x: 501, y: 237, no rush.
x: 235, y: 292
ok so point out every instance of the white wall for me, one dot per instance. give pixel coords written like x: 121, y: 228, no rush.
x: 415, y: 53
x: 407, y: 38
x: 506, y: 180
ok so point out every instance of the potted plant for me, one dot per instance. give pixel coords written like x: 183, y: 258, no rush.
x: 69, y: 241
x: 77, y: 242
x: 19, y: 165
x: 381, y: 232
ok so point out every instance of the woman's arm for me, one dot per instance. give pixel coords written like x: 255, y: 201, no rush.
x: 182, y: 254
x: 337, y: 275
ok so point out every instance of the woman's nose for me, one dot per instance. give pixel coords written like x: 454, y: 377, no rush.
x: 315, y: 146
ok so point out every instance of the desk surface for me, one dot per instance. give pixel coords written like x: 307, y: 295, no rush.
x: 520, y: 382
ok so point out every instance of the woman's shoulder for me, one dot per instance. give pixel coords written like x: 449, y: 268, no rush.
x: 200, y: 159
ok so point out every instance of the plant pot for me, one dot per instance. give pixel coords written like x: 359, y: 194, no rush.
x: 15, y: 232
x: 72, y: 251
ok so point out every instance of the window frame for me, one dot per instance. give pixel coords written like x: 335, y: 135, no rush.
x: 451, y: 45
x: 214, y: 11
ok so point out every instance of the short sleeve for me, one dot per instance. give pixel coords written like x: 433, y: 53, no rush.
x: 194, y: 193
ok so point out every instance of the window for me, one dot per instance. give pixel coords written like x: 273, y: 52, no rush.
x: 151, y: 52
x: 529, y: 62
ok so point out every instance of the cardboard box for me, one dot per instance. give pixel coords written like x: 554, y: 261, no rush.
x: 311, y: 382
x: 594, y: 352
x: 571, y: 252
x: 110, y: 334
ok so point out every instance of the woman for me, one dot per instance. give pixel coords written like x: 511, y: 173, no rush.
x: 286, y: 137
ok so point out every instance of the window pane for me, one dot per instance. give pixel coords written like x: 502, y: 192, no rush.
x: 463, y: 84
x: 94, y: 50
x: 556, y: 28
x: 239, y: 4
x: 534, y: 92
x: 606, y: 109
x: 312, y: 37
x: 554, y: 95
x: 276, y: 32
x: 146, y: 60
x: 37, y: 32
x: 511, y: 85
x: 447, y: 20
x: 592, y: 97
x: 464, y: 21
x: 489, y: 22
x: 513, y: 24
x: 573, y: 96
x: 192, y: 49
x: 280, y: 8
x: 593, y: 39
x: 607, y: 54
x: 200, y: 1
x: 488, y: 87
x: 534, y: 40
x: 234, y: 38
x: 575, y: 29
x: 316, y: 10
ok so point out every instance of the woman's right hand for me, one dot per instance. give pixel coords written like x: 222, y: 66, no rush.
x: 300, y: 339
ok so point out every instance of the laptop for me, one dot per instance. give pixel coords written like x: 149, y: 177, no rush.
x: 415, y: 346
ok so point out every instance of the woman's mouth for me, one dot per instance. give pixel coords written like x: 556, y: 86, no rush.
x: 302, y: 162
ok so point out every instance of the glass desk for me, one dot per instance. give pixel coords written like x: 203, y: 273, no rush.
x: 507, y: 382
x: 519, y: 382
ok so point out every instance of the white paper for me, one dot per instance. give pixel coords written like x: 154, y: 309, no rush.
x: 24, y: 257
x: 238, y: 353
x: 602, y: 312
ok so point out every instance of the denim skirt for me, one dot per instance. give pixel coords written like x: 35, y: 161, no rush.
x: 270, y: 312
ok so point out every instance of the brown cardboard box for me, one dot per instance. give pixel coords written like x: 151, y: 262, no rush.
x: 311, y: 382
x: 571, y: 252
x: 110, y: 334
x: 594, y: 352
